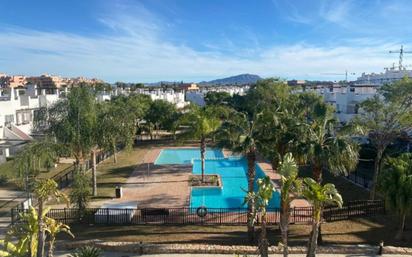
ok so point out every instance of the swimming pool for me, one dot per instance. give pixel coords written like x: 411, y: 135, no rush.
x: 232, y: 171
x: 184, y: 155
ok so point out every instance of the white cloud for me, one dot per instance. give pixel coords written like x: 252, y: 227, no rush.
x: 137, y: 50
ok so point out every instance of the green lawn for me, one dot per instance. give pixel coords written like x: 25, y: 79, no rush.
x: 110, y: 174
x: 7, y: 169
x: 355, y: 231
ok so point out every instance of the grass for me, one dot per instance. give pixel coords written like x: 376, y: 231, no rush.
x: 355, y: 231
x: 8, y: 170
x: 110, y: 174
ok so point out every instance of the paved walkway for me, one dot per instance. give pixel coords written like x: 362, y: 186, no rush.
x: 119, y: 254
x: 275, y: 177
x: 150, y: 185
x: 8, y: 197
x: 166, y: 186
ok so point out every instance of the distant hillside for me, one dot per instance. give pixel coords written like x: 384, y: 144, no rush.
x: 241, y: 79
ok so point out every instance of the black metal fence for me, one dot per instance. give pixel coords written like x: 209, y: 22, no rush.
x: 193, y: 216
x: 361, y: 208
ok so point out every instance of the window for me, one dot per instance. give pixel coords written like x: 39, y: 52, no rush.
x: 9, y: 118
x: 352, y: 89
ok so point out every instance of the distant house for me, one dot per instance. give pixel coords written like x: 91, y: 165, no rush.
x: 189, y: 87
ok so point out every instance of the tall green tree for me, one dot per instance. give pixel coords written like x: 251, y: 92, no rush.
x: 395, y: 183
x: 72, y: 122
x: 326, y: 148
x: 318, y: 196
x: 261, y: 200
x: 290, y: 189
x: 160, y: 115
x: 201, y: 123
x: 383, y: 120
x: 240, y: 135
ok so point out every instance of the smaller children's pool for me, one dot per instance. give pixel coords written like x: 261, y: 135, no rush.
x: 185, y: 155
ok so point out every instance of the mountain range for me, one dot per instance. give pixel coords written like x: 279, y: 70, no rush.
x: 241, y: 79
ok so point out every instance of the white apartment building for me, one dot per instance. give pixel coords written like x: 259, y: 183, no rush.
x: 17, y: 106
x: 169, y: 95
x: 345, y: 98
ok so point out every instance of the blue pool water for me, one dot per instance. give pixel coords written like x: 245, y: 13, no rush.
x: 184, y: 155
x: 234, y: 180
x: 232, y: 171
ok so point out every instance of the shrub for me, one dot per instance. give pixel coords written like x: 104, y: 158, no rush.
x: 87, y: 251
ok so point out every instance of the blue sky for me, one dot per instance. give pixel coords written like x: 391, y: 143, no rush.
x: 193, y: 40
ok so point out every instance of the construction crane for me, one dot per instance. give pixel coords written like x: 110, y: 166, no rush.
x: 341, y: 74
x: 400, y: 52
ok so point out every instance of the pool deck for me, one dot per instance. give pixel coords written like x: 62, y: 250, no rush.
x: 166, y: 186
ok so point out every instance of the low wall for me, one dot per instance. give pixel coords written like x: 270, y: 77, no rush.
x: 142, y: 248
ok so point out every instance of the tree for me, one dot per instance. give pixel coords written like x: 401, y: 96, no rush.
x: 26, y: 233
x: 261, y: 200
x: 395, y: 183
x: 201, y: 124
x: 217, y: 98
x: 291, y: 187
x: 53, y: 228
x: 45, y: 189
x: 115, y: 126
x: 160, y: 115
x: 35, y: 156
x: 318, y: 196
x: 324, y: 147
x: 382, y: 120
x: 72, y: 122
x: 240, y: 135
x: 80, y: 193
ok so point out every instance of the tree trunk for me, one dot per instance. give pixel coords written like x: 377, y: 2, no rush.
x: 317, y: 172
x: 284, y: 225
x: 399, y: 234
x: 114, y: 153
x: 313, y: 240
x: 202, y: 156
x: 94, y: 173
x: 40, y: 236
x: 51, y: 247
x: 263, y: 238
x: 251, y: 159
x: 376, y: 170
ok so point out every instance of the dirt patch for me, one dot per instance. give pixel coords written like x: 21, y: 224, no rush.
x: 209, y: 181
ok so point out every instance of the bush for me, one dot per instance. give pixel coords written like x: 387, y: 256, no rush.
x: 87, y: 251
x: 3, y: 180
x: 81, y: 191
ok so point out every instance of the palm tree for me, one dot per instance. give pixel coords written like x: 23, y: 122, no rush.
x: 325, y: 148
x: 318, y: 196
x: 202, y: 123
x: 261, y: 200
x: 291, y: 187
x: 396, y: 184
x: 53, y: 228
x: 240, y: 135
x: 26, y: 233
x: 44, y: 190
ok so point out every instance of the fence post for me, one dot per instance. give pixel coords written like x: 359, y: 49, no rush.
x: 107, y: 216
x: 12, y: 216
